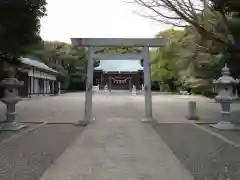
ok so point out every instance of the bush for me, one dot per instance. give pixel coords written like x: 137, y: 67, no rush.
x: 155, y: 86
x: 204, y: 90
x: 209, y: 94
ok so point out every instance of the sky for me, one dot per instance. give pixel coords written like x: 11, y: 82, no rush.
x: 95, y: 19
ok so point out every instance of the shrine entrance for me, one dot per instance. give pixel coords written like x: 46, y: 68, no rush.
x: 121, y: 82
x: 95, y: 52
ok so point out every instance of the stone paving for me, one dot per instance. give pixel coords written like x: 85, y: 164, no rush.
x: 116, y: 149
x: 117, y: 145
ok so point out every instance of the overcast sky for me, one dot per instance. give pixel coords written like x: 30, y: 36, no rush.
x: 95, y: 18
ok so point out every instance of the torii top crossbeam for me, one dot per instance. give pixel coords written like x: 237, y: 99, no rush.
x: 118, y: 42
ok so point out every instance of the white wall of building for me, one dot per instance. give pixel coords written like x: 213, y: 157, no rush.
x: 36, y: 86
x: 32, y: 88
x: 38, y: 74
x: 35, y: 76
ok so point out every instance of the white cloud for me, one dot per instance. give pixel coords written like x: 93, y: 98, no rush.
x: 95, y: 18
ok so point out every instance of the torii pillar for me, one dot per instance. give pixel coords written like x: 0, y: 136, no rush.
x: 147, y: 84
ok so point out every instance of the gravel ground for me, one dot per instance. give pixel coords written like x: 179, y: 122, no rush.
x: 64, y: 108
x: 231, y: 135
x: 7, y: 134
x: 29, y: 155
x: 70, y: 107
x: 204, y: 155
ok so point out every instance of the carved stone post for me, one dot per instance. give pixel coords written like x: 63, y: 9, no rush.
x: 192, y: 111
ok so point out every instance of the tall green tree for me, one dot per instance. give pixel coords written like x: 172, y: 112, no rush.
x: 165, y: 61
x: 19, y: 26
x: 67, y: 59
x: 216, y: 21
x: 184, y: 61
x: 231, y: 10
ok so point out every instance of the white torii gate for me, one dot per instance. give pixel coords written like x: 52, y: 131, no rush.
x: 96, y: 44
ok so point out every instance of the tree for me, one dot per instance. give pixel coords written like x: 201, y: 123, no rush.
x: 184, y: 62
x: 67, y: 59
x: 19, y: 26
x: 226, y: 5
x: 165, y: 61
x: 200, y: 14
x: 232, y: 53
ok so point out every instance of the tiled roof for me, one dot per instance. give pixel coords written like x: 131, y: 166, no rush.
x: 37, y: 64
x: 120, y: 65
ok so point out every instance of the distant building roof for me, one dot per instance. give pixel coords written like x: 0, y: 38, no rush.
x: 36, y: 64
x: 119, y: 66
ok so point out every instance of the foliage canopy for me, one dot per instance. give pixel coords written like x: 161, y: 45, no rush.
x: 19, y: 26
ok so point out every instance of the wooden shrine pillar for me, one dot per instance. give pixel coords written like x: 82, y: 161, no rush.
x: 101, y: 79
x: 130, y: 84
x: 110, y: 83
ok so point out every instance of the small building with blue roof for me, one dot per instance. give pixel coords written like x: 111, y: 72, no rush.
x: 119, y: 74
x: 38, y: 78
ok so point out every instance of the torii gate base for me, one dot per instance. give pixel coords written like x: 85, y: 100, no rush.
x: 99, y: 43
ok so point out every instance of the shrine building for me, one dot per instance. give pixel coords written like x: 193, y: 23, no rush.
x: 38, y: 78
x: 119, y: 74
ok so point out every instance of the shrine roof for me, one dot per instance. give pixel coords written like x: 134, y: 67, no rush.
x: 36, y: 64
x: 120, y: 65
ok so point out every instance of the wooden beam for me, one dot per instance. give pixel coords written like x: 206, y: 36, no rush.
x: 97, y: 49
x: 119, y: 42
x: 116, y: 49
x: 109, y: 56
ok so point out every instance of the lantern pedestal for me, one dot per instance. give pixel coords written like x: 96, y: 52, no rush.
x: 147, y: 120
x: 223, y: 125
x: 11, y: 126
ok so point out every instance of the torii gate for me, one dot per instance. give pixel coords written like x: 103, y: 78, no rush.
x: 96, y: 44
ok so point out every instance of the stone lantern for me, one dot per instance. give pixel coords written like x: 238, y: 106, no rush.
x: 106, y: 88
x: 10, y: 99
x: 224, y: 86
x: 134, y: 91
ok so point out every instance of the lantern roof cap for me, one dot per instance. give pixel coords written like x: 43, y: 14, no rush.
x: 226, y: 78
x: 225, y: 70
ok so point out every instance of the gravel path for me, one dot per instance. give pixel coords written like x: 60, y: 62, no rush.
x: 204, y: 155
x: 29, y: 155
